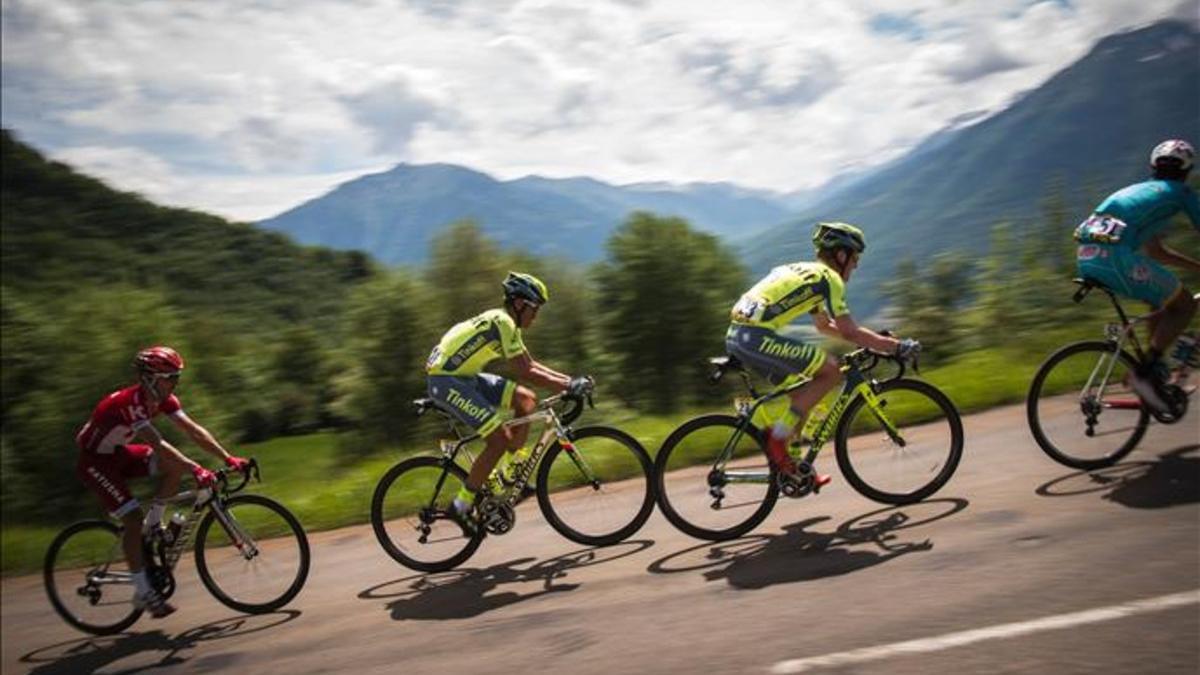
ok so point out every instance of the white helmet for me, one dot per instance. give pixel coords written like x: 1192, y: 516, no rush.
x: 1173, y: 152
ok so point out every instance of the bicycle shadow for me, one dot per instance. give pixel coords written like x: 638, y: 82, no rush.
x: 468, y: 592
x: 800, y: 554
x: 1171, y: 480
x: 90, y: 654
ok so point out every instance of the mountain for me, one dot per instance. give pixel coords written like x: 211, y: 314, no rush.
x: 61, y: 231
x: 395, y: 214
x: 1088, y: 129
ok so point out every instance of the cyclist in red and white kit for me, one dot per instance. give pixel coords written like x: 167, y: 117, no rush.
x: 119, y: 442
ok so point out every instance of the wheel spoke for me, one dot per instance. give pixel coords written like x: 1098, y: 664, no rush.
x: 599, y: 491
x: 705, y: 496
x: 1082, y: 409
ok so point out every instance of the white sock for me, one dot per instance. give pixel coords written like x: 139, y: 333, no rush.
x: 141, y: 582
x: 781, y: 431
x: 154, y: 515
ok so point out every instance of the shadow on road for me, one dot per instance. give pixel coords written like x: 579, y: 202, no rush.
x: 758, y: 561
x: 141, y: 651
x: 467, y: 592
x: 1171, y: 480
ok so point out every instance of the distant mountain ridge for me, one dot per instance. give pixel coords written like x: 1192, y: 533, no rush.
x: 1089, y: 128
x: 395, y: 214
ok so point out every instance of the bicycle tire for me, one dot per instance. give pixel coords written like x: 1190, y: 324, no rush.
x: 857, y: 476
x: 1040, y: 434
x: 203, y: 564
x: 379, y: 523
x: 640, y: 464
x: 52, y: 591
x: 724, y: 426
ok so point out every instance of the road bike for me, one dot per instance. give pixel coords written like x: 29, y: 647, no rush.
x: 251, y: 554
x: 897, y: 442
x: 593, y: 486
x: 1081, y: 405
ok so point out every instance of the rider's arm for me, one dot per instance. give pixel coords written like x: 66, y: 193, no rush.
x: 1159, y: 251
x: 199, y: 434
x: 848, y: 329
x: 533, y: 372
x: 147, y: 434
x: 825, y: 325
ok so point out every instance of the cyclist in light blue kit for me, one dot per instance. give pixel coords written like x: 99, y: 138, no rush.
x: 1110, y: 245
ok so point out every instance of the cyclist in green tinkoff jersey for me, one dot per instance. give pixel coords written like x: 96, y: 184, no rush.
x: 1133, y: 219
x: 816, y: 288
x: 457, y: 381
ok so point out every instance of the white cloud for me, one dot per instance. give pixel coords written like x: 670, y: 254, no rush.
x: 266, y: 104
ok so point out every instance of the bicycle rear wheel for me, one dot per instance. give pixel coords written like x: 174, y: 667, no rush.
x: 707, y: 494
x: 1081, y: 408
x: 918, y: 460
x: 256, y: 559
x: 411, y: 515
x: 613, y: 488
x: 87, y: 579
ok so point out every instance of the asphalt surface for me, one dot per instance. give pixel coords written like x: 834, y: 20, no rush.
x: 1003, y: 571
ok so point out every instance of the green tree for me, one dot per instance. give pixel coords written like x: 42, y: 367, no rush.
x: 663, y: 296
x: 389, y: 336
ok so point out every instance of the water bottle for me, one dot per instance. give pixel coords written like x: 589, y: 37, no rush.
x: 173, y: 528
x: 1185, y: 353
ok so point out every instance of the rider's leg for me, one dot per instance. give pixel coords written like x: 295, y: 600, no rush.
x: 524, y: 402
x: 807, y: 397
x: 1166, y: 327
x: 495, y: 445
x: 504, y: 439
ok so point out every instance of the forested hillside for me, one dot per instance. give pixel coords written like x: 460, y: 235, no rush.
x: 1062, y: 147
x: 282, y: 339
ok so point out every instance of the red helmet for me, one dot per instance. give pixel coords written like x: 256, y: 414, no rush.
x: 158, y: 361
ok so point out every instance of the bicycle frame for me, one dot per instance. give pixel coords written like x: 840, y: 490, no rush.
x: 200, y: 499
x: 1118, y: 335
x: 855, y: 384
x: 554, y: 429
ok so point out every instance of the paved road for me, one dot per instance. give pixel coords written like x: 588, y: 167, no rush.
x: 1019, y: 565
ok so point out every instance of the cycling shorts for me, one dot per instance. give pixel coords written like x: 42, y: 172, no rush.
x: 771, y: 355
x: 105, y: 475
x: 1127, y: 273
x: 474, y: 400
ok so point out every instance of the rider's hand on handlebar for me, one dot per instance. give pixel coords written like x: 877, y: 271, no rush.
x: 237, y: 463
x: 204, y: 477
x: 580, y: 386
x: 908, y: 349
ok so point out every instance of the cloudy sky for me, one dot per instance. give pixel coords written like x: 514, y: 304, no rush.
x: 246, y: 108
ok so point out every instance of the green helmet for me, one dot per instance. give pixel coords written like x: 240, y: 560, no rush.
x: 832, y: 236
x: 526, y: 287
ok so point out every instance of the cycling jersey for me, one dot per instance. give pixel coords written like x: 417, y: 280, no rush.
x: 789, y: 291
x: 469, y: 346
x: 1133, y: 215
x: 1111, y: 237
x: 119, y: 416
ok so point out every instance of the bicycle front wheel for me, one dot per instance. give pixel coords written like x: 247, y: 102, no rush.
x: 252, y: 554
x: 411, y: 514
x: 87, y: 579
x: 1082, y: 409
x: 713, y: 480
x: 598, y: 492
x: 905, y: 451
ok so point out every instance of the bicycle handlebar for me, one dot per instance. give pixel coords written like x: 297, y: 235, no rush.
x: 251, y: 470
x: 867, y: 359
